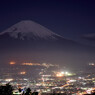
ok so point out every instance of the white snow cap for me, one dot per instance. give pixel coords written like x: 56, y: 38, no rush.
x: 29, y: 29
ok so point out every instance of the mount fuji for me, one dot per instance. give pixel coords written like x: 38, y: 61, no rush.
x: 28, y: 34
x: 29, y: 30
x: 28, y: 41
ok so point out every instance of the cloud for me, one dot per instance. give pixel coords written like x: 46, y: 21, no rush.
x: 90, y: 37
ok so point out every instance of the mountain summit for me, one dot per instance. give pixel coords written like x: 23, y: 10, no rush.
x: 30, y: 30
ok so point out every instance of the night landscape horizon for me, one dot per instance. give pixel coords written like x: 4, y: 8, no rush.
x: 47, y: 47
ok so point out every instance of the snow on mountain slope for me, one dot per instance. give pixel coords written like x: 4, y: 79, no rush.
x: 29, y: 29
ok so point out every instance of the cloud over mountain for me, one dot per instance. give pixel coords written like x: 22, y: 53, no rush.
x: 90, y: 37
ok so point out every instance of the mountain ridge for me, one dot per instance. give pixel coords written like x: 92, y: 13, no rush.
x: 30, y: 29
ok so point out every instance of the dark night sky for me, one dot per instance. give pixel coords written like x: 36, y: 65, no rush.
x: 70, y: 18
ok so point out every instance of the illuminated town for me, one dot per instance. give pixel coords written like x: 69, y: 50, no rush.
x: 48, y: 78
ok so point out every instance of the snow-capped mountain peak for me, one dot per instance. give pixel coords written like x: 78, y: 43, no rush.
x: 29, y: 29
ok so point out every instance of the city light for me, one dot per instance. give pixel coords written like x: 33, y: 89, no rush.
x: 12, y: 63
x: 8, y: 80
x: 57, y: 79
x: 59, y: 74
x: 22, y: 73
x: 31, y: 64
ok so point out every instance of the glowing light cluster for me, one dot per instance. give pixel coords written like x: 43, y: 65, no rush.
x: 89, y: 91
x: 8, y: 80
x: 59, y: 74
x: 22, y: 73
x: 92, y: 64
x: 30, y: 64
x: 12, y: 63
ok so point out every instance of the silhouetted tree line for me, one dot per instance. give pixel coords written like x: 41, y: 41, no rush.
x: 8, y: 90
